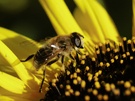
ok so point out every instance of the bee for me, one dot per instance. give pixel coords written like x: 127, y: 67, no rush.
x: 55, y: 48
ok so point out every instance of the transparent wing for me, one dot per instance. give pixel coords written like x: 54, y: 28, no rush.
x: 43, y: 41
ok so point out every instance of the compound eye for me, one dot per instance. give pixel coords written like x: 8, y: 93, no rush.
x: 77, y: 42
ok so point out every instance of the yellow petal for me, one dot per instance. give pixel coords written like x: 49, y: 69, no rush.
x: 11, y: 83
x: 107, y: 25
x: 11, y: 98
x: 19, y: 68
x: 7, y: 68
x: 19, y: 98
x: 60, y: 16
x: 20, y: 45
x: 88, y: 21
x: 29, y: 95
x: 62, y: 19
x: 133, y: 28
x: 93, y: 18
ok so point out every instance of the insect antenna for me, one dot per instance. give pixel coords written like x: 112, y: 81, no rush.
x: 28, y: 58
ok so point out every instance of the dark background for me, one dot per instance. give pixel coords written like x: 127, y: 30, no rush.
x: 27, y: 17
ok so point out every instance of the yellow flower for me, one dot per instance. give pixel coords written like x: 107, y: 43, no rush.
x: 101, y: 77
x: 20, y: 81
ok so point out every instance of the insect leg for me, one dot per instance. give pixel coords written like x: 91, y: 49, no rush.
x: 49, y: 63
x: 40, y: 89
x: 62, y: 61
x: 77, y: 57
x: 53, y: 61
x: 28, y: 58
x: 71, y: 56
x: 78, y: 52
x: 58, y: 56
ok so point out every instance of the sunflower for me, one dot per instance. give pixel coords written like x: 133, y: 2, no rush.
x: 85, y: 79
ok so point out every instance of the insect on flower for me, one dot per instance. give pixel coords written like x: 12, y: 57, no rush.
x: 55, y: 48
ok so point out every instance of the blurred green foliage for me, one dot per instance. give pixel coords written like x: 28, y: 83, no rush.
x: 28, y: 18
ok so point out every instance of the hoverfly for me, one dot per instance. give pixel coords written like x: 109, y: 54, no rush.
x: 55, y: 48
